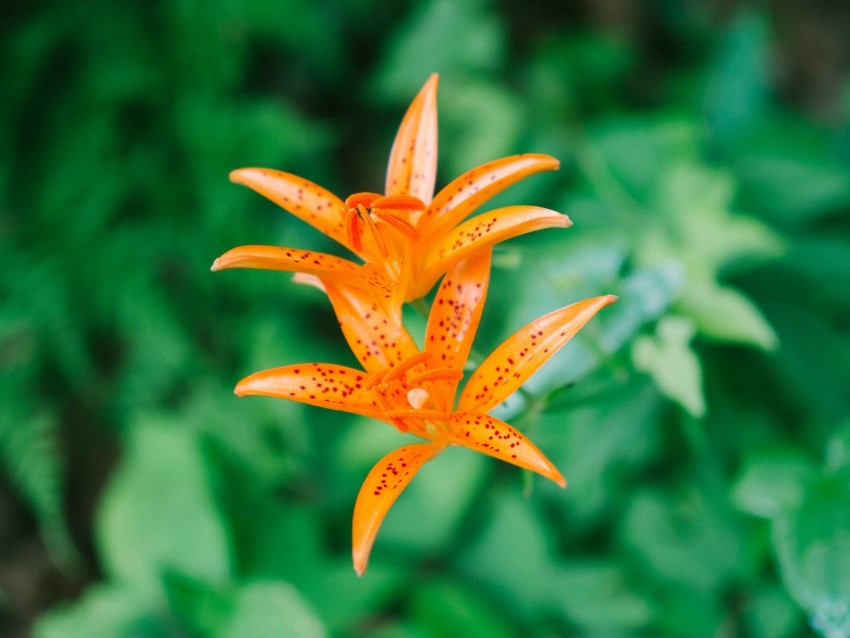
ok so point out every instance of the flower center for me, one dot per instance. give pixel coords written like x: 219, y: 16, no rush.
x: 364, y: 211
x: 400, y: 393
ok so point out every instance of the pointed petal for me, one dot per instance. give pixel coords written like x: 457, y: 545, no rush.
x: 488, y: 435
x: 462, y: 196
x: 308, y: 201
x: 412, y: 168
x: 454, y: 318
x: 290, y: 260
x: 517, y: 358
x: 322, y: 384
x: 376, y: 339
x: 478, y: 233
x: 381, y: 488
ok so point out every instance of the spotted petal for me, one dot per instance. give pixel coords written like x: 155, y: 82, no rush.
x: 517, y: 358
x: 412, y: 167
x: 381, y: 488
x: 377, y: 340
x: 308, y: 201
x: 481, y: 232
x: 290, y: 260
x: 484, y: 433
x: 463, y: 195
x: 454, y: 318
x: 321, y: 384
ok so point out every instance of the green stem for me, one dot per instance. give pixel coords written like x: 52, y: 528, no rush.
x: 421, y: 307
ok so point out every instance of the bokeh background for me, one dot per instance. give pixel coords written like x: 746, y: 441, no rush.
x: 703, y: 421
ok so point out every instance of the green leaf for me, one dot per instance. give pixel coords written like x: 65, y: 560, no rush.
x: 514, y: 556
x: 688, y: 538
x: 470, y: 110
x: 771, y: 613
x: 667, y: 357
x: 442, y: 36
x: 449, y: 609
x: 158, y: 514
x: 772, y: 483
x: 270, y: 608
x: 838, y: 448
x: 737, y: 87
x: 813, y: 546
x: 727, y: 315
x: 105, y: 611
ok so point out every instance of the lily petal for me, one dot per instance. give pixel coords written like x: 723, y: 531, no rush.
x: 412, y: 167
x: 377, y: 340
x: 480, y: 232
x: 484, y: 433
x: 325, y: 385
x: 308, y: 201
x: 290, y: 260
x: 463, y: 195
x: 517, y: 358
x: 454, y: 318
x: 381, y: 488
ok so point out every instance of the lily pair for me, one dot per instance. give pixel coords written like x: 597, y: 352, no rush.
x: 407, y: 240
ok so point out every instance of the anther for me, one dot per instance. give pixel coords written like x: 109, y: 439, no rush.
x: 361, y: 199
x: 366, y: 218
x: 354, y: 229
x: 402, y: 226
x: 398, y: 202
x: 436, y: 375
x: 436, y: 415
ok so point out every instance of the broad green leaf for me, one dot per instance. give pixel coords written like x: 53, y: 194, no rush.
x: 440, y: 35
x: 689, y: 539
x: 634, y: 153
x: 667, y: 357
x: 256, y: 608
x: 158, y: 514
x: 104, y: 611
x: 447, y: 608
x: 771, y: 613
x: 813, y: 546
x: 515, y: 556
x: 597, y: 467
x: 791, y: 171
x: 772, y: 483
x: 470, y: 111
x: 270, y: 608
x: 725, y: 314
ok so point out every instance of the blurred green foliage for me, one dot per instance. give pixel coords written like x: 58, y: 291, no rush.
x: 702, y: 421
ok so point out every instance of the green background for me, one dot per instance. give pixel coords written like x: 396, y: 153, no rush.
x: 703, y: 422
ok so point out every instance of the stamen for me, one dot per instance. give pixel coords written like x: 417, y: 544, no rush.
x: 370, y: 223
x: 354, y: 229
x: 436, y: 375
x: 399, y: 370
x: 374, y: 379
x: 436, y: 415
x: 401, y: 425
x: 398, y: 202
x: 361, y: 199
x: 404, y: 227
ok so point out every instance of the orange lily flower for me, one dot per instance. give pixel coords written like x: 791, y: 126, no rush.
x: 407, y: 237
x: 415, y: 390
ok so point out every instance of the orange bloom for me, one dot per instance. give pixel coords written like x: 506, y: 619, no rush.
x: 415, y: 390
x: 407, y: 237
